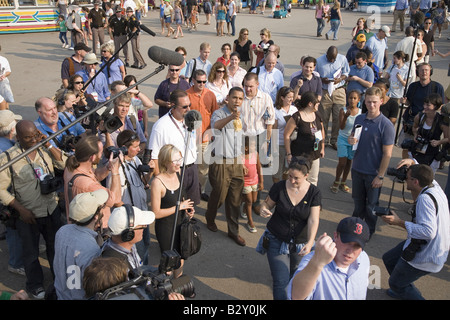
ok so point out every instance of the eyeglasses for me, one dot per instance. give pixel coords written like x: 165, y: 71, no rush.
x: 79, y: 82
x: 178, y: 162
x: 262, y: 34
x: 200, y: 81
x: 245, y: 34
x: 104, y: 50
x: 185, y: 107
x: 221, y: 70
x: 174, y: 70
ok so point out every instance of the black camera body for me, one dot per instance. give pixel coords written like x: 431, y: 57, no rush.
x: 399, y: 173
x: 413, y: 146
x: 49, y: 184
x: 147, y: 284
x: 381, y: 211
x: 114, y: 151
x: 68, y: 142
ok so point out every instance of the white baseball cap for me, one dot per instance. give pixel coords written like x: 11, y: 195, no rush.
x: 118, y: 221
x: 386, y: 30
x: 84, y: 205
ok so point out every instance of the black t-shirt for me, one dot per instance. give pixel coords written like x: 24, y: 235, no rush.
x: 289, y: 221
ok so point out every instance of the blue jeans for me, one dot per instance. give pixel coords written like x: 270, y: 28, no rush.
x: 402, y: 274
x: 320, y: 26
x: 334, y: 28
x: 63, y: 37
x: 282, y: 266
x: 365, y: 198
x: 14, y: 248
x: 233, y: 26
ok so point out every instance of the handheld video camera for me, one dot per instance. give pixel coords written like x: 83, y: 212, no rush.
x: 147, y: 284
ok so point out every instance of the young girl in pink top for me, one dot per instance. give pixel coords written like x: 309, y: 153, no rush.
x: 252, y: 179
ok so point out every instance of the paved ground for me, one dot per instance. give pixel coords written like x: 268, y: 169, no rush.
x: 222, y: 270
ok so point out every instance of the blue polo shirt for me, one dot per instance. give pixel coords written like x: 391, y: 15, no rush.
x: 98, y: 85
x: 375, y: 134
x: 334, y: 283
x: 63, y: 121
x: 365, y: 73
x: 326, y: 69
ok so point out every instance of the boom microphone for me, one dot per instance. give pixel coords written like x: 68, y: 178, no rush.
x: 150, y: 32
x: 165, y: 56
x: 192, y: 118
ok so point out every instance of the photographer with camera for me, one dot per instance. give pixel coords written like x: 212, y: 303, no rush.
x: 106, y: 272
x: 34, y: 198
x: 50, y: 121
x: 428, y: 129
x: 134, y: 178
x: 76, y: 243
x: 121, y: 108
x: 415, y: 95
x: 427, y: 245
x: 82, y: 173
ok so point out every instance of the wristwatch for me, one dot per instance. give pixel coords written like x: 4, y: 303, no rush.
x: 380, y: 177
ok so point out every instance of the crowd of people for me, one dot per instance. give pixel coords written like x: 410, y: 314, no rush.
x: 85, y: 189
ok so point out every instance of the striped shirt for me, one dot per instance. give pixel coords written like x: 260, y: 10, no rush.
x: 253, y: 112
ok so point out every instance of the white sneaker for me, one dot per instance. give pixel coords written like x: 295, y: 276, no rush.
x: 19, y: 271
x: 38, y: 294
x: 251, y: 229
x: 63, y: 46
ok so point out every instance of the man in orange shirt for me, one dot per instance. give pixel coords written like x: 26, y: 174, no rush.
x: 203, y: 100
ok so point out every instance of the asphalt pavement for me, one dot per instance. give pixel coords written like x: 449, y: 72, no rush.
x: 223, y: 270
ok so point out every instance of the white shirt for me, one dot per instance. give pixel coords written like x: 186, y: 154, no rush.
x: 280, y: 115
x: 168, y: 130
x: 220, y: 93
x: 270, y: 81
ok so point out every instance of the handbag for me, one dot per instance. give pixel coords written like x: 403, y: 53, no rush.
x: 190, y: 238
x: 5, y: 91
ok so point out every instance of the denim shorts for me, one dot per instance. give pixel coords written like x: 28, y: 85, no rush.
x: 344, y: 149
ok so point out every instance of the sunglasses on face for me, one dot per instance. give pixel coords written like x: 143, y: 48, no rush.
x: 79, y: 82
x: 220, y: 71
x: 174, y: 70
x: 185, y: 107
x: 200, y: 81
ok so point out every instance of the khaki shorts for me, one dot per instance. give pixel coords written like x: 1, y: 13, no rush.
x: 249, y: 189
